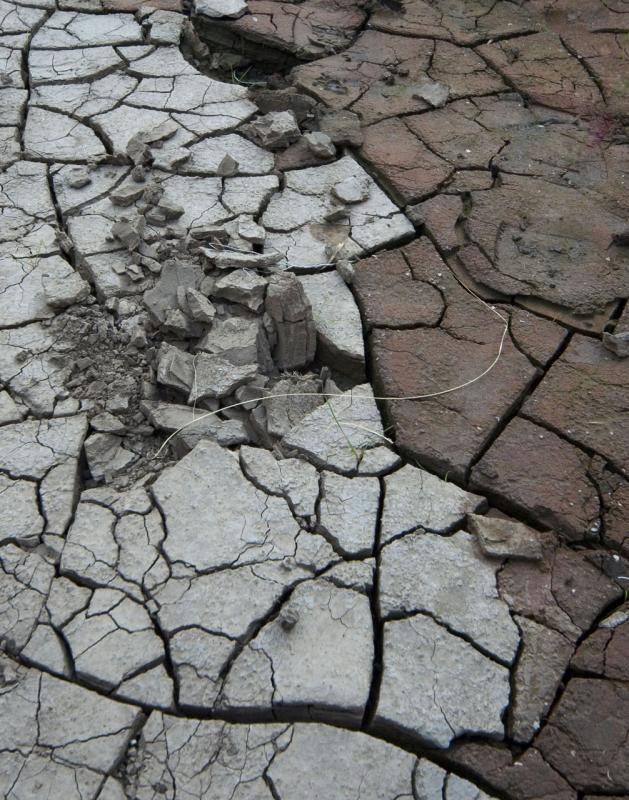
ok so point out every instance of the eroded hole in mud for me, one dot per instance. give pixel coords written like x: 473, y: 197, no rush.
x: 226, y: 55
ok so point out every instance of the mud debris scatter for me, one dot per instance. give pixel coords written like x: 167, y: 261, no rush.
x: 232, y: 563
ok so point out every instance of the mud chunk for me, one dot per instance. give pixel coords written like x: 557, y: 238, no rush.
x: 200, y: 308
x: 220, y: 9
x: 502, y: 538
x: 283, y: 411
x: 242, y: 286
x: 352, y: 190
x: 276, y: 130
x: 241, y: 340
x: 233, y: 260
x: 433, y: 92
x: 126, y: 194
x: 250, y: 231
x: 78, y: 177
x: 62, y: 291
x: 343, y: 127
x: 617, y: 343
x: 129, y: 232
x: 106, y: 456
x: 289, y: 308
x: 338, y: 323
x: 320, y: 144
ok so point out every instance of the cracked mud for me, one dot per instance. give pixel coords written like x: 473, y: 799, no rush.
x: 252, y: 547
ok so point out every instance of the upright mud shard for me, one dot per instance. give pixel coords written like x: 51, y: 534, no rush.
x: 313, y: 453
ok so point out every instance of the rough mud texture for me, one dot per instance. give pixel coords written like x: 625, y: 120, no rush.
x: 314, y: 450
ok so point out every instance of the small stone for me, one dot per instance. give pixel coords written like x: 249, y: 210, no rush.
x: 220, y: 9
x: 176, y: 321
x: 352, y: 190
x: 224, y: 259
x: 170, y: 158
x: 227, y: 167
x: 346, y: 270
x: 159, y: 133
x: 138, y: 151
x: 126, y: 194
x: 239, y: 340
x: 617, y: 343
x: 138, y: 174
x: 215, y: 376
x: 320, y: 144
x: 192, y: 426
x: 289, y: 617
x: 165, y: 27
x: 289, y: 401
x: 433, y: 92
x: 78, y: 177
x: 170, y: 209
x: 276, y: 130
x: 107, y: 423
x: 502, y: 538
x: 129, y: 232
